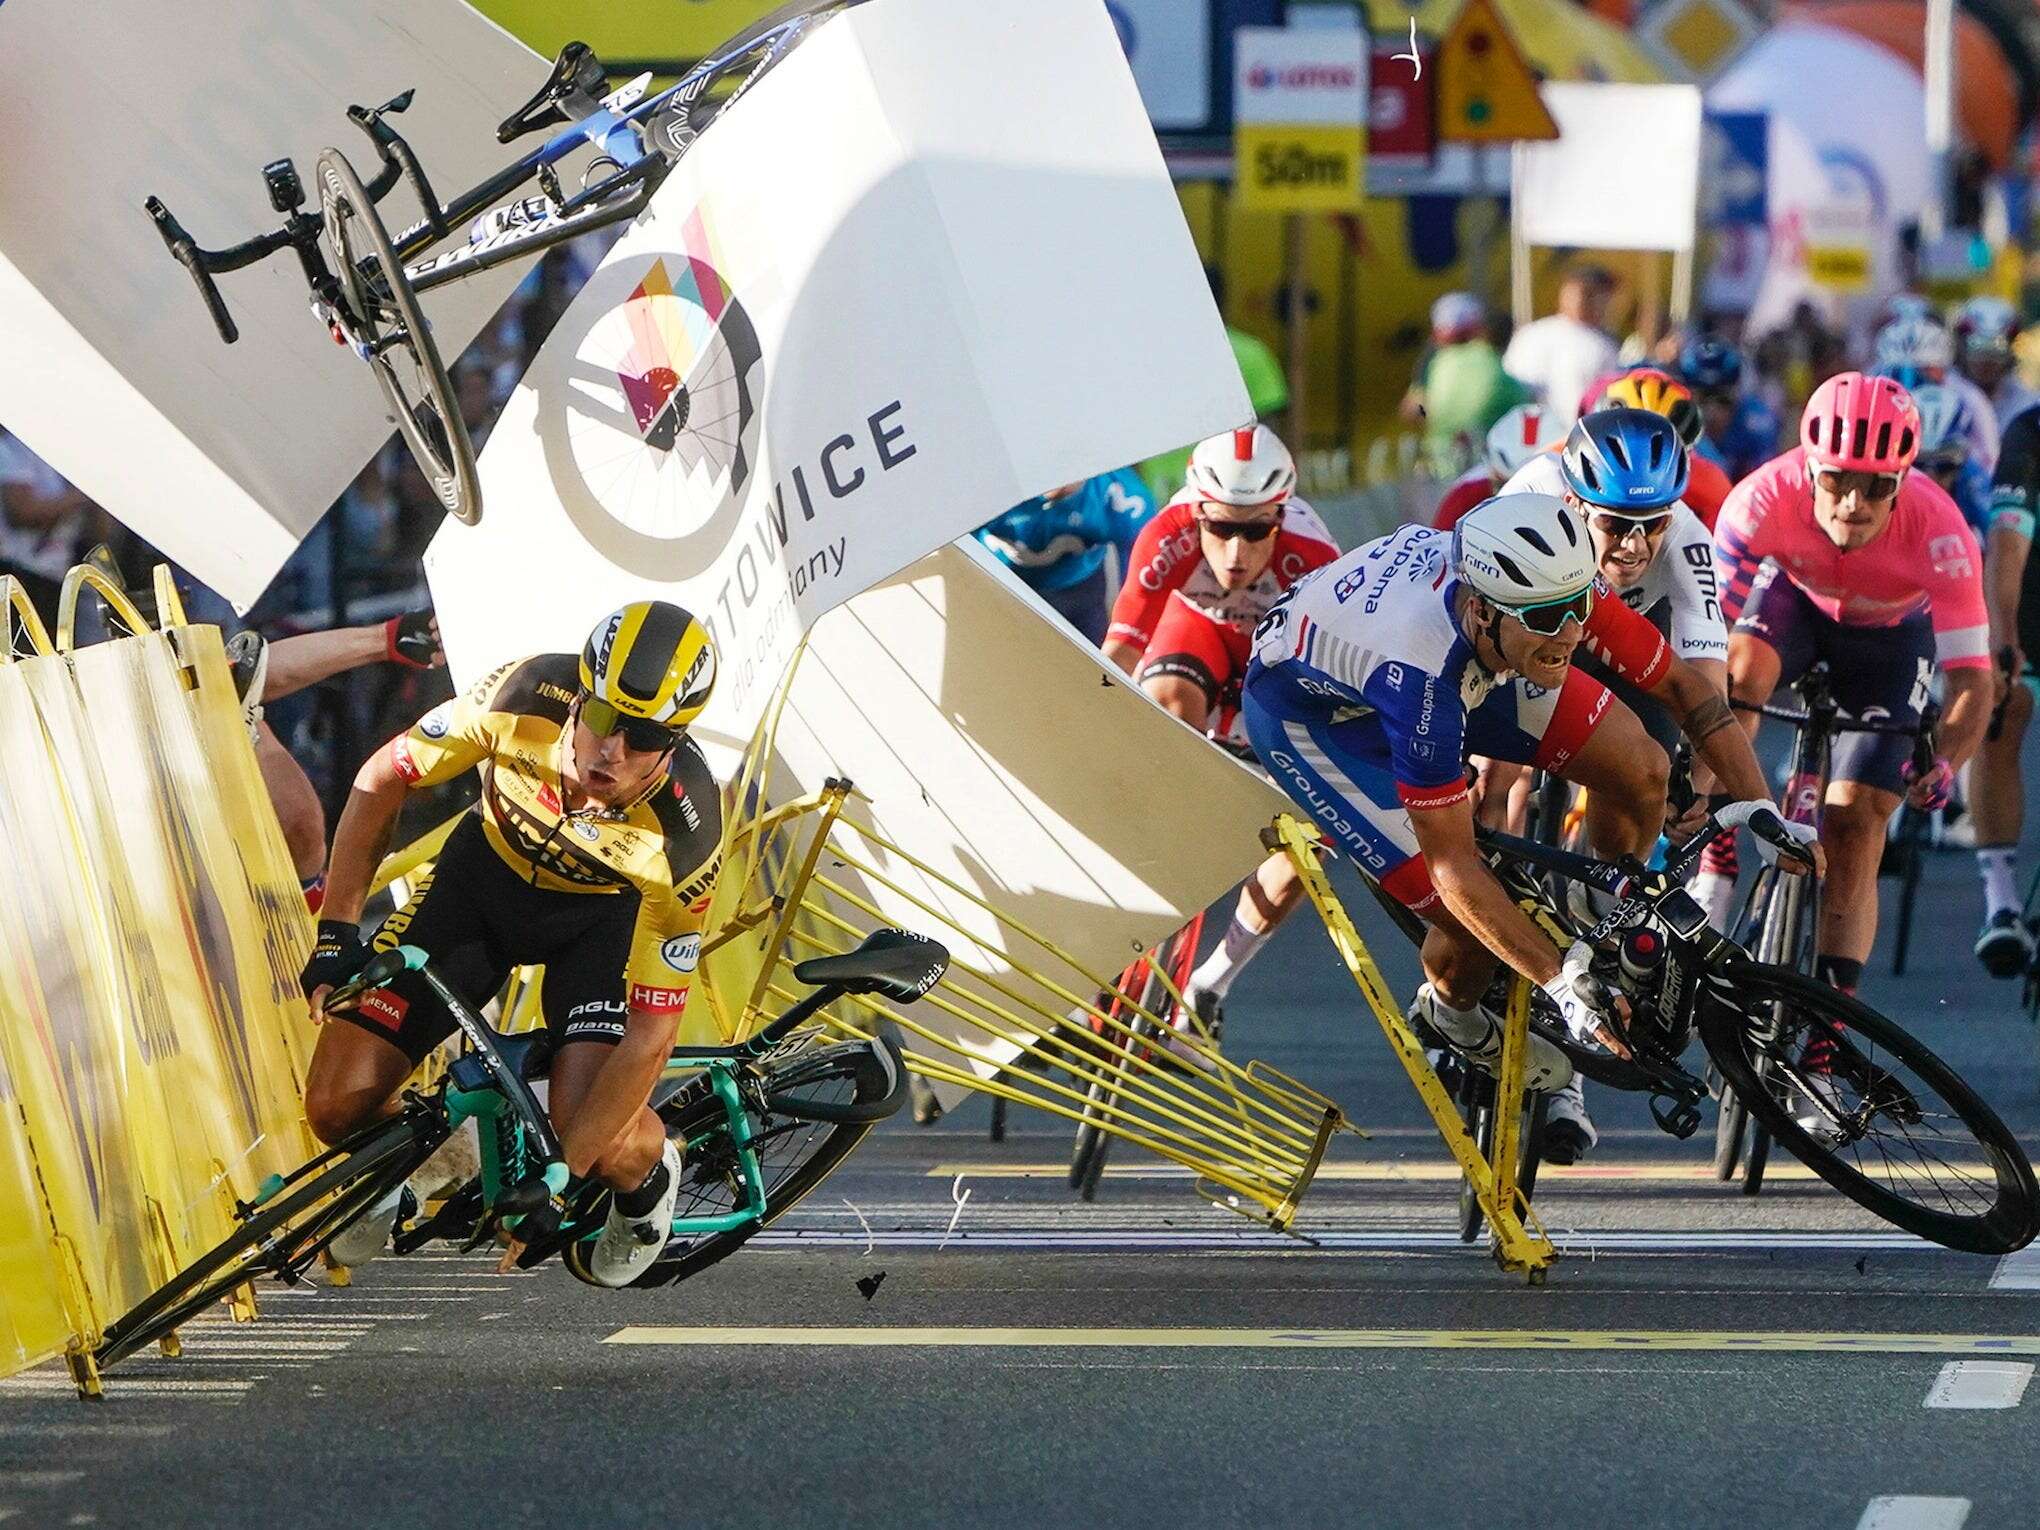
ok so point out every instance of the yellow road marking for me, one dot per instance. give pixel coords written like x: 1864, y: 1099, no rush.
x: 1339, y: 1338
x: 1376, y: 1172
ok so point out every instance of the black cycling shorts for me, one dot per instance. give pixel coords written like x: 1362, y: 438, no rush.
x: 476, y: 918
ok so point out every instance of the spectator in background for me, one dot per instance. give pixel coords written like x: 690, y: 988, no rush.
x: 1460, y: 390
x: 1559, y: 356
x: 1267, y: 393
x: 1070, y: 545
x: 45, y: 525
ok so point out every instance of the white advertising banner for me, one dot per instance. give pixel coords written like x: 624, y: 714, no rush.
x: 999, y: 750
x: 223, y: 456
x: 1623, y: 174
x: 885, y: 297
x: 1301, y: 76
x: 1168, y: 42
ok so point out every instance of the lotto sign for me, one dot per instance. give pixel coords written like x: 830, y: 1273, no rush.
x: 1300, y: 109
x: 1838, y: 267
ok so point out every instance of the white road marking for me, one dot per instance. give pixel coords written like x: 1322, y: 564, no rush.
x: 1225, y: 1240
x: 41, y: 1479
x: 1979, y: 1384
x: 2019, y: 1271
x: 1908, y: 1512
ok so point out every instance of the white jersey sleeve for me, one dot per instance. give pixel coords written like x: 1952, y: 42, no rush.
x: 1542, y: 474
x: 1686, y: 566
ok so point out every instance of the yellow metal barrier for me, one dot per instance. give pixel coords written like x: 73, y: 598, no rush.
x: 1519, y: 1241
x: 152, y: 1037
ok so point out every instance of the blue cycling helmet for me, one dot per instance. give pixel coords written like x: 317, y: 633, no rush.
x: 1625, y: 459
x: 1709, y: 365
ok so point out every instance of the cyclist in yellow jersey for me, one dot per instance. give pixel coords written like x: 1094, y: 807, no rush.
x: 592, y: 853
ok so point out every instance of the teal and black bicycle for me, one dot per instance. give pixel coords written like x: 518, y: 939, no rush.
x: 762, y: 1123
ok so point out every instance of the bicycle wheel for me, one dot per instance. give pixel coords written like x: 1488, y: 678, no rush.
x: 1786, y: 941
x: 1094, y: 1142
x: 1529, y: 1154
x: 402, y: 354
x: 819, y: 1105
x: 287, y: 1231
x: 1889, y: 1124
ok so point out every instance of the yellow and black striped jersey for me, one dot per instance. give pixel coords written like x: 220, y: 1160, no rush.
x: 664, y: 847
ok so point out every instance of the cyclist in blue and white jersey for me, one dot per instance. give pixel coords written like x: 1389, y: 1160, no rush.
x: 1917, y: 351
x: 1946, y: 455
x: 1985, y: 330
x: 1070, y: 545
x: 1376, y: 675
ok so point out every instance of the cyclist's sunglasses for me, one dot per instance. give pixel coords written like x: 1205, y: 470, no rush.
x: 1871, y: 486
x: 1619, y: 526
x: 638, y: 733
x: 1548, y: 617
x: 1252, y: 531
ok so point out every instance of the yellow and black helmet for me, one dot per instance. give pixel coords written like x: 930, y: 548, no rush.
x: 650, y: 660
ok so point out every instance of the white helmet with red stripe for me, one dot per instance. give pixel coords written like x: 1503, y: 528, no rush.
x: 1520, y: 435
x: 1250, y: 466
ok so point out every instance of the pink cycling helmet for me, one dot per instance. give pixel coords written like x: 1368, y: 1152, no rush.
x: 1855, y: 423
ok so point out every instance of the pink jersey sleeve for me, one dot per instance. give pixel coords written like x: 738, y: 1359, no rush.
x: 1163, y: 557
x: 1742, y: 533
x: 1944, y: 554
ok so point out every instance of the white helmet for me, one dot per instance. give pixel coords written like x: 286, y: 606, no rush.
x: 1523, y: 549
x: 1249, y: 466
x: 1914, y: 343
x: 1520, y: 435
x: 1987, y: 323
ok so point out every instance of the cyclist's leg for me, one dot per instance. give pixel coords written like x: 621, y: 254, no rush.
x: 1998, y: 800
x: 1883, y: 673
x: 1187, y: 663
x: 585, y: 996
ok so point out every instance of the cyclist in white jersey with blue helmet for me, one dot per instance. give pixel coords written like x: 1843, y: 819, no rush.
x: 1376, y: 675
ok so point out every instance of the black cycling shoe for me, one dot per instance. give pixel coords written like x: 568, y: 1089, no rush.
x: 2005, y: 947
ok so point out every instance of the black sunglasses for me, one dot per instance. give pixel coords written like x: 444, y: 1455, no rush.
x: 1252, y: 531
x: 639, y: 733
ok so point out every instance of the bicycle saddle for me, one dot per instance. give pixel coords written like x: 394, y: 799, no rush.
x: 577, y: 80
x: 528, y: 1054
x: 893, y: 963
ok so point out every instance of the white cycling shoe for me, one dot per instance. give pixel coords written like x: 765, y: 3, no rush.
x: 629, y: 1246
x: 369, y: 1234
x: 1569, y: 1133
x: 1478, y: 1038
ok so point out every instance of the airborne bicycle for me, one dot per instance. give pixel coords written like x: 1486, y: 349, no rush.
x: 365, y: 282
x: 762, y: 1123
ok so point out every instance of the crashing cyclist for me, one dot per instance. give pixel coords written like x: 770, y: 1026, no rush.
x: 1518, y: 436
x: 1624, y: 471
x: 1202, y: 575
x: 1063, y: 544
x: 1741, y: 428
x: 1375, y: 678
x: 592, y: 853
x: 1835, y: 551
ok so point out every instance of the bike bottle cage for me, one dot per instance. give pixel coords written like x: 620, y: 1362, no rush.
x: 572, y: 91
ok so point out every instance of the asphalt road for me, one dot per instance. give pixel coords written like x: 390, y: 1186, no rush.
x: 1696, y: 1359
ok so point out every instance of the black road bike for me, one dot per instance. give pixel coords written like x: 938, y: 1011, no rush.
x: 1844, y: 1089
x: 1780, y: 917
x: 365, y: 282
x: 761, y: 1124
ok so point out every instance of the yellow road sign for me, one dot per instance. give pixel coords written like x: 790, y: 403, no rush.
x: 1300, y: 168
x: 1486, y: 90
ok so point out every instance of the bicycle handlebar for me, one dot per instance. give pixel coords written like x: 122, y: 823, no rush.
x: 398, y: 159
x: 187, y: 254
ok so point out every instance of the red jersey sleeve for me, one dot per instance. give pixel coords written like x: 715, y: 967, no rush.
x: 1706, y: 491
x: 1460, y: 498
x: 1625, y: 641
x: 1163, y: 556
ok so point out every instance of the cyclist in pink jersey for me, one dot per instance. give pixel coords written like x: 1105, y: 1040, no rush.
x: 1834, y: 551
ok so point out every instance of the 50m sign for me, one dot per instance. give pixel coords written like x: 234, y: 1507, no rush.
x: 1313, y: 168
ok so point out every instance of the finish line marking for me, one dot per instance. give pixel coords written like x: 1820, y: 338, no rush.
x: 1219, y: 1241
x: 1578, y: 1340
x: 1378, y: 1173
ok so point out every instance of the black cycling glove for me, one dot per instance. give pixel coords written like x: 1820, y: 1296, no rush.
x: 338, y: 955
x: 413, y: 639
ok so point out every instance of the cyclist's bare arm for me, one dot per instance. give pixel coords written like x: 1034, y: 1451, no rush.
x: 2004, y: 574
x: 1965, y: 714
x: 621, y: 1088
x: 363, y: 837
x: 1699, y: 701
x: 309, y: 657
x: 1473, y: 896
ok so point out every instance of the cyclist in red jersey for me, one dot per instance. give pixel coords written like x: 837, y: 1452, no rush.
x: 1874, y: 569
x: 1201, y: 576
x: 1516, y: 437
